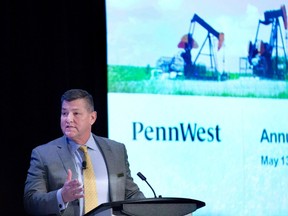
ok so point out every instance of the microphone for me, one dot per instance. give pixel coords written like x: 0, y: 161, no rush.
x: 144, y: 179
x: 84, y: 164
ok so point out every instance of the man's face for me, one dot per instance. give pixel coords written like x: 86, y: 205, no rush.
x: 76, y: 120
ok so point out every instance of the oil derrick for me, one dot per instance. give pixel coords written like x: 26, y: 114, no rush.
x: 264, y: 57
x: 191, y: 70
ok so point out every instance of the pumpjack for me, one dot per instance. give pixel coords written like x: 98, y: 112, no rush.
x: 191, y: 69
x: 264, y: 57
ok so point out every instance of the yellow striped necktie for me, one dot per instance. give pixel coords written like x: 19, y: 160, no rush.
x: 90, y: 191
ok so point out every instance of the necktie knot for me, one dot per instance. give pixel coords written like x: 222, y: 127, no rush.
x: 84, y: 149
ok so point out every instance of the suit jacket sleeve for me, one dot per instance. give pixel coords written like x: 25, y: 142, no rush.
x: 47, y: 173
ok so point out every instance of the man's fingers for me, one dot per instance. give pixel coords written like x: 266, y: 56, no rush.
x: 69, y: 176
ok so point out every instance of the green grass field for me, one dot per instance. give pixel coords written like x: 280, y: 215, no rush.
x: 132, y: 79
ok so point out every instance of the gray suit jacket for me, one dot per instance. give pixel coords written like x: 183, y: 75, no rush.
x: 48, y: 171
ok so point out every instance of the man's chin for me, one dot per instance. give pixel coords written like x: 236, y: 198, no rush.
x: 69, y: 134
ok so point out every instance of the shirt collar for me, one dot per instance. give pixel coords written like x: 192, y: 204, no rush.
x: 90, y: 144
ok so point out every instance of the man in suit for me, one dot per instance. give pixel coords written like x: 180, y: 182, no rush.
x: 54, y: 183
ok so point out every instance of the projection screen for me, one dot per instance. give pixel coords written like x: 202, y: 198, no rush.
x: 197, y: 91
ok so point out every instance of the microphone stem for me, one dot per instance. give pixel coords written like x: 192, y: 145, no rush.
x: 151, y: 189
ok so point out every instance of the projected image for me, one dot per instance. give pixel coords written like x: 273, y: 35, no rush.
x: 174, y: 47
x: 197, y: 92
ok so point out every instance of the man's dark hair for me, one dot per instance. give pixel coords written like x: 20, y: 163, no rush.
x: 74, y: 94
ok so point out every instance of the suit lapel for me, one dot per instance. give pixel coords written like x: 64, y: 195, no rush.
x: 112, y: 168
x: 65, y: 156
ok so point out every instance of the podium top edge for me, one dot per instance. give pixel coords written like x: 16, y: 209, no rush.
x: 152, y: 201
x: 161, y: 200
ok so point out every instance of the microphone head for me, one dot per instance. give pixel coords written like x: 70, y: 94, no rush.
x: 84, y: 164
x: 141, y: 176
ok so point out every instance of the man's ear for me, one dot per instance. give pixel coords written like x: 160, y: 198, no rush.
x: 93, y: 117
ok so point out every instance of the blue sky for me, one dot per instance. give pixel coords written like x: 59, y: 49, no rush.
x: 139, y: 32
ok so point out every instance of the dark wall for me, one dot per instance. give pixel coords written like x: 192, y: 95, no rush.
x: 46, y: 48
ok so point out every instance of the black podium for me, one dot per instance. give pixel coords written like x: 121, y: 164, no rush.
x: 148, y: 207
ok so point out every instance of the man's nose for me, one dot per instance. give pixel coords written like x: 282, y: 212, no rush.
x: 69, y: 117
